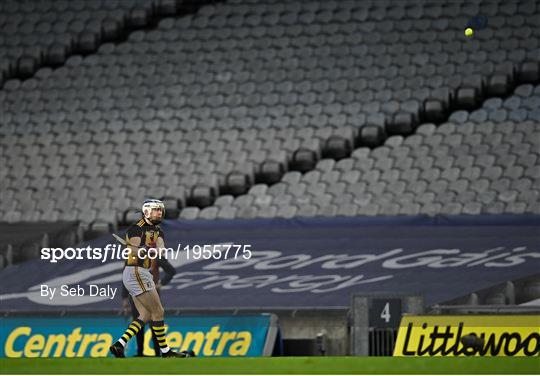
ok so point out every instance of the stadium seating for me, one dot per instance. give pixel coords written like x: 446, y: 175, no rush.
x: 472, y: 164
x: 47, y: 32
x: 242, y: 110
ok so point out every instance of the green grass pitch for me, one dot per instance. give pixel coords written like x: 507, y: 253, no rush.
x: 283, y: 365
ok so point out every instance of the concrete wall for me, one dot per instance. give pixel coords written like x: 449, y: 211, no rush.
x: 308, y: 324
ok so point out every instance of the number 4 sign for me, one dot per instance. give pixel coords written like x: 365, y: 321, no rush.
x: 385, y: 313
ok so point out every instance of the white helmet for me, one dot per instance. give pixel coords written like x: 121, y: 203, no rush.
x: 150, y: 204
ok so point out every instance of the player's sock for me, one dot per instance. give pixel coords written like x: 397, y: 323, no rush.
x: 132, y: 329
x: 158, y: 328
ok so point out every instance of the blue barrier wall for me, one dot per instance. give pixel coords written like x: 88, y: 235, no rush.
x: 302, y: 263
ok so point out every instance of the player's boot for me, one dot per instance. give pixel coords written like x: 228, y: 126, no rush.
x: 117, y: 350
x: 172, y: 354
x: 181, y: 354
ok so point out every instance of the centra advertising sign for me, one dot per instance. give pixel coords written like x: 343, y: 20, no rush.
x: 91, y: 336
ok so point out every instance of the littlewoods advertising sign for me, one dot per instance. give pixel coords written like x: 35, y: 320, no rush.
x: 487, y: 335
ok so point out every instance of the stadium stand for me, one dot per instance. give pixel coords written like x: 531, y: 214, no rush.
x: 366, y: 122
x: 278, y: 109
x: 46, y: 33
x: 486, y: 163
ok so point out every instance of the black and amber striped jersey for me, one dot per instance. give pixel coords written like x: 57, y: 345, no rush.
x: 149, y: 234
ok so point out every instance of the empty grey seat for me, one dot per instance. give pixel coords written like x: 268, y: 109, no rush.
x: 267, y: 212
x: 328, y: 210
x: 189, y: 213
x: 389, y: 209
x: 516, y: 207
x: 370, y: 136
x: 524, y: 90
x: 307, y: 211
x: 202, y: 196
x: 270, y: 172
x: 286, y: 212
x: 227, y: 212
x: 365, y: 210
x: 431, y: 208
x: 409, y: 208
x: 452, y: 208
x: 243, y: 201
x: 258, y: 190
x: 472, y: 208
x: 210, y: 212
x: 237, y: 183
x: 246, y: 212
x: 348, y: 210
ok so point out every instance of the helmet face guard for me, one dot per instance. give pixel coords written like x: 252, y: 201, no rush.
x: 151, y: 204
